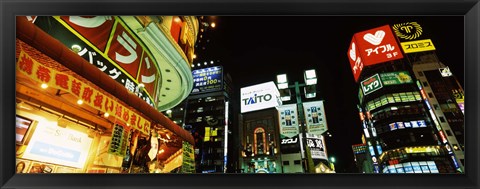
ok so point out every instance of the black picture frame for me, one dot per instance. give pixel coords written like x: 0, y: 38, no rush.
x: 9, y: 9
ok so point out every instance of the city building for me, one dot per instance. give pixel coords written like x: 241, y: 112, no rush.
x: 89, y: 92
x: 446, y: 97
x: 401, y: 130
x: 208, y: 113
x: 278, y: 138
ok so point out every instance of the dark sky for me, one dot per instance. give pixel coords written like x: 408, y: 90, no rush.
x: 255, y: 49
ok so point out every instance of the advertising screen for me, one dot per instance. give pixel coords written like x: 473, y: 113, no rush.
x: 258, y: 97
x: 377, y: 45
x: 207, y: 79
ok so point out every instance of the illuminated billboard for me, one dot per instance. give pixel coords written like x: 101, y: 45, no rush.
x: 396, y: 78
x: 355, y: 60
x: 315, y: 117
x: 417, y: 46
x: 407, y: 30
x: 107, y: 43
x: 316, y: 143
x: 289, y: 130
x: 53, y: 144
x: 377, y: 45
x: 207, y: 79
x: 258, y: 97
x: 371, y: 84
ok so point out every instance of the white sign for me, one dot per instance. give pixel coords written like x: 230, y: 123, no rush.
x: 445, y: 72
x: 258, y: 97
x: 58, y: 145
x: 288, y: 121
x: 316, y: 143
x: 315, y: 117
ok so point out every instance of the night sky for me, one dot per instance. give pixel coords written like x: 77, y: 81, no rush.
x: 255, y: 49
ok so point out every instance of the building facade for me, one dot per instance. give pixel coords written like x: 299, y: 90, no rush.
x: 403, y: 134
x: 89, y: 93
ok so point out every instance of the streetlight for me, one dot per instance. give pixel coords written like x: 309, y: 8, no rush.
x: 310, y: 79
x: 332, y: 159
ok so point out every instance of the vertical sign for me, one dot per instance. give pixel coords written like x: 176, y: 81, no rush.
x: 188, y: 164
x: 289, y: 130
x: 316, y: 143
x: 315, y: 117
x: 355, y: 60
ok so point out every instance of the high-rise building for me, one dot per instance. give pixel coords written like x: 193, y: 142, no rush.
x: 207, y: 113
x: 403, y: 134
x: 446, y: 98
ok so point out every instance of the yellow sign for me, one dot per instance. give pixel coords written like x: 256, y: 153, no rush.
x: 90, y: 96
x: 418, y: 46
x: 408, y: 30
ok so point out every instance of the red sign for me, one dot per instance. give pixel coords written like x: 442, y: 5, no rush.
x: 96, y: 29
x: 377, y: 45
x: 125, y: 50
x: 355, y: 60
x: 148, y: 74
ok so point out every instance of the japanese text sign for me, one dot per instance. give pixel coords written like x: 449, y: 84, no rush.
x: 418, y: 46
x: 90, y: 96
x: 207, y: 79
x: 377, y: 45
x: 371, y: 84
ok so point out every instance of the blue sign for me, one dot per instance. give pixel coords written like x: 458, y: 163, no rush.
x: 207, y: 79
x: 55, y: 152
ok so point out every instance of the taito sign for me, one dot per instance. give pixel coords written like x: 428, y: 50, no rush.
x: 372, y: 47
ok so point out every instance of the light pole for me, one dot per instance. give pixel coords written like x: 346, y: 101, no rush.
x: 310, y: 79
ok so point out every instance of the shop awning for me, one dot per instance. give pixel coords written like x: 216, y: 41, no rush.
x: 37, y: 38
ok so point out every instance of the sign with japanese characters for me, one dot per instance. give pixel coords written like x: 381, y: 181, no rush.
x: 188, y: 163
x: 119, y: 140
x: 207, y: 79
x: 316, y: 143
x: 355, y: 60
x: 105, y: 41
x: 84, y: 91
x: 371, y: 84
x: 288, y: 120
x: 315, y: 117
x: 396, y: 78
x: 417, y: 46
x: 377, y: 45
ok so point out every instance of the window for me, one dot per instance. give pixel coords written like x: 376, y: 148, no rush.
x: 296, y: 162
x: 435, y: 106
x: 259, y: 140
x: 449, y: 133
x: 420, y: 73
x: 425, y: 84
x: 286, y: 163
x: 442, y: 119
x: 430, y: 95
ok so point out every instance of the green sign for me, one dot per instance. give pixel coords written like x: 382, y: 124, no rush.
x: 188, y: 165
x: 396, y: 78
x: 371, y: 84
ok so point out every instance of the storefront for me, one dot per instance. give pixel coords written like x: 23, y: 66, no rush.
x: 72, y: 118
